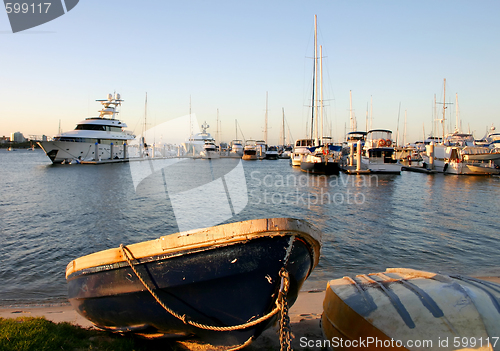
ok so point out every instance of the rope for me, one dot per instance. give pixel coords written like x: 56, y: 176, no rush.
x: 285, y: 330
x: 185, y: 319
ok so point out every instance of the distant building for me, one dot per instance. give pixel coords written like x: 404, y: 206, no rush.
x: 17, y: 137
x: 4, y: 140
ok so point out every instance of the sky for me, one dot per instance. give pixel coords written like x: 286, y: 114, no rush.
x: 208, y: 56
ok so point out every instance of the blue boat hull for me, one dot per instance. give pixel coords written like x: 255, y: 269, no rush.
x: 328, y: 168
x: 218, y: 286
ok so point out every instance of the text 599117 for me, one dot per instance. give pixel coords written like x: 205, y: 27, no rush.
x: 16, y: 7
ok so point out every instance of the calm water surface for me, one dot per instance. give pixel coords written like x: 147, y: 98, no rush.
x: 50, y: 215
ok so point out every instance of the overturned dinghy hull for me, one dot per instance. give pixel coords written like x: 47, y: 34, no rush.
x: 407, y: 309
x: 210, y: 279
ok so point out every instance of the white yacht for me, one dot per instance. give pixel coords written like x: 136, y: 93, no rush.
x: 250, y: 150
x: 460, y: 155
x: 236, y: 149
x: 196, y: 143
x: 272, y: 153
x: 95, y: 138
x: 210, y: 150
x: 299, y: 150
x: 379, y: 155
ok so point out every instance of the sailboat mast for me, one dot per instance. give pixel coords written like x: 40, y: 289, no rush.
x: 371, y: 112
x: 316, y: 142
x: 145, y: 121
x: 265, y: 127
x: 444, y: 106
x: 217, y: 132
x: 456, y: 111
x: 350, y: 111
x: 284, y: 136
x: 322, y: 134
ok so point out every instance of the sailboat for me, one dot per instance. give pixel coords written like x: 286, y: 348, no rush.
x: 321, y: 158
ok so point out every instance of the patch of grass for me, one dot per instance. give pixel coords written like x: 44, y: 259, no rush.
x: 39, y: 334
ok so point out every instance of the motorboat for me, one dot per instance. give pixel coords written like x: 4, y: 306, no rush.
x: 210, y: 150
x: 299, y: 150
x: 459, y: 154
x: 222, y: 284
x: 196, y: 143
x: 272, y: 153
x: 408, y: 309
x: 286, y: 152
x: 379, y: 155
x: 323, y: 159
x: 95, y: 138
x: 236, y: 148
x: 250, y: 150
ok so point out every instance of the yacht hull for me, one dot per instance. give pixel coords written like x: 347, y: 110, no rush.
x: 66, y: 151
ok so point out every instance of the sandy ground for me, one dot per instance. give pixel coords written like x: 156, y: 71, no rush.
x: 305, y: 317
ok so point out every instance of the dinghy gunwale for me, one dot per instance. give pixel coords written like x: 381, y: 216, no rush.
x: 199, y: 239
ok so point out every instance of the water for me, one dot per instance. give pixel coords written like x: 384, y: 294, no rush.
x: 50, y: 215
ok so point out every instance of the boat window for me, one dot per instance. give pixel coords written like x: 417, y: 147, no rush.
x: 75, y: 140
x: 90, y: 127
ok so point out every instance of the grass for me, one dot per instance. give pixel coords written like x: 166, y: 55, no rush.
x: 39, y: 334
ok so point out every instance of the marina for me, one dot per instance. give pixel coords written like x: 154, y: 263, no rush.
x: 367, y: 216
x: 445, y: 223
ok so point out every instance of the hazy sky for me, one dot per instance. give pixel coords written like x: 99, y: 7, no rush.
x: 227, y: 54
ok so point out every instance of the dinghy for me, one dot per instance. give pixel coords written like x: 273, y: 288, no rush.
x: 408, y: 309
x: 221, y: 284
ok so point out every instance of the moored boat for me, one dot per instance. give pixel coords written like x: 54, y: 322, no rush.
x: 210, y: 150
x: 250, y: 150
x: 299, y: 150
x: 408, y: 309
x: 94, y: 138
x: 379, y: 155
x: 221, y: 283
x: 236, y: 148
x: 272, y: 153
x: 197, y: 142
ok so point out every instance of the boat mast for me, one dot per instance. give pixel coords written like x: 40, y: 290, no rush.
x: 456, y: 112
x: 144, y: 145
x: 284, y: 137
x: 444, y: 106
x: 350, y: 111
x: 371, y: 112
x: 315, y: 104
x: 217, y: 132
x: 265, y: 127
x: 321, y: 90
